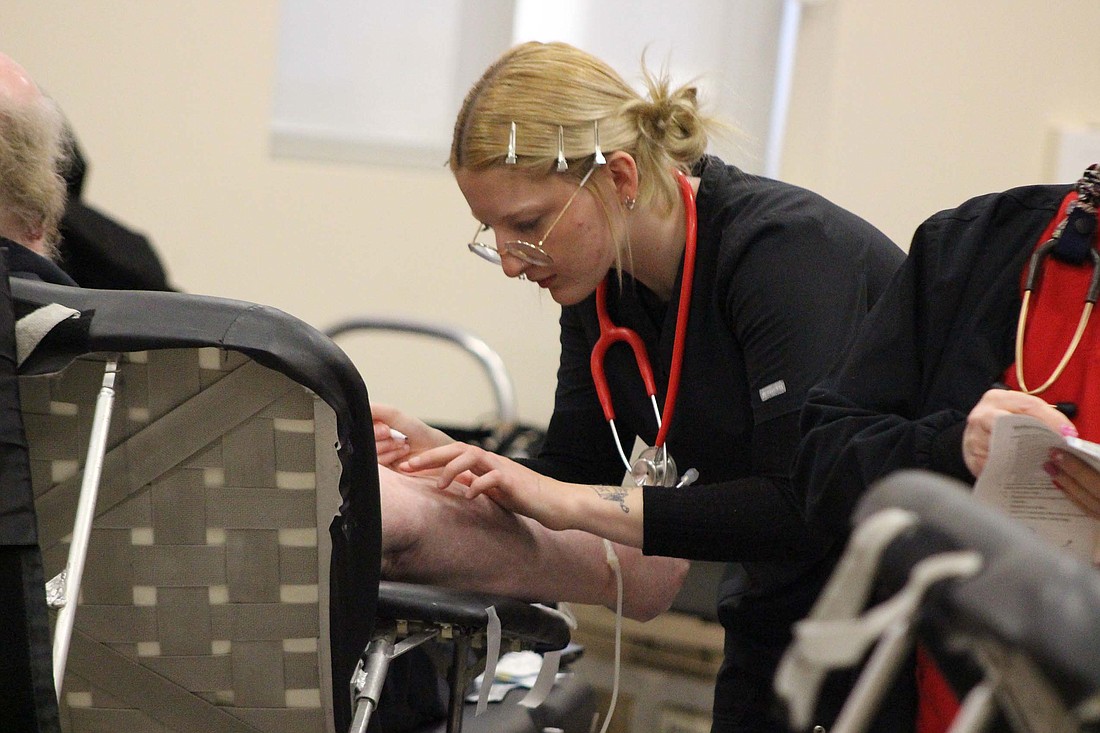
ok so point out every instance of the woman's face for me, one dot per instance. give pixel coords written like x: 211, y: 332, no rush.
x: 519, y: 206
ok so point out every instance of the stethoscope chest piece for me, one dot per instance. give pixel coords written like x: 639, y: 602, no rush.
x: 654, y: 467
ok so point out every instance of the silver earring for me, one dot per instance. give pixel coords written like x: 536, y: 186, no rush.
x: 599, y: 159
x: 511, y: 157
x: 563, y: 164
x: 629, y: 202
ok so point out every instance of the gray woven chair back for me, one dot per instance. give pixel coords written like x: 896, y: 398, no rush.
x: 203, y: 598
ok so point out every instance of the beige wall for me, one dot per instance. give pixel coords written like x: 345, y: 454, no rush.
x: 905, y: 108
x: 900, y: 108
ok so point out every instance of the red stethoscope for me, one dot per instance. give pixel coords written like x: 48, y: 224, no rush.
x: 654, y: 466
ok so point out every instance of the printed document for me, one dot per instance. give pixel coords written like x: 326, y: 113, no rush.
x: 1014, y: 480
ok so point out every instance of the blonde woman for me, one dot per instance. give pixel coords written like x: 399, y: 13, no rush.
x: 744, y: 292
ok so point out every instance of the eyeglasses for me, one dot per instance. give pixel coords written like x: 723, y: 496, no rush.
x: 532, y: 254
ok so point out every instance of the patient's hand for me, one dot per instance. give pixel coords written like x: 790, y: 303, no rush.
x: 418, y: 436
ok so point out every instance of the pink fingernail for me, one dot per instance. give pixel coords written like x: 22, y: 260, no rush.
x: 1051, y: 468
x: 1068, y: 430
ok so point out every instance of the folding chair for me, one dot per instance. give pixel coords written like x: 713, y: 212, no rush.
x: 237, y: 431
x: 209, y: 593
x: 1013, y: 617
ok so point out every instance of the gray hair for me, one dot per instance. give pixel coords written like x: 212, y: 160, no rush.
x: 34, y: 151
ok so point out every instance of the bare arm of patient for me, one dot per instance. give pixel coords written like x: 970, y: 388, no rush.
x: 442, y: 538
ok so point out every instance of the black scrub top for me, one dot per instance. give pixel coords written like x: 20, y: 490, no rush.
x: 782, y: 280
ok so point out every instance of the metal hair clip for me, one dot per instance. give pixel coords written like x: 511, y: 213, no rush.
x: 563, y: 165
x: 511, y: 158
x: 599, y: 159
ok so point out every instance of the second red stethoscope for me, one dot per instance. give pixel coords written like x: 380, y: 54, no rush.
x: 654, y: 466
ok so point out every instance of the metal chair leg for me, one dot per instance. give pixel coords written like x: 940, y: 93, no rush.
x: 370, y: 674
x: 459, y: 678
x: 67, y: 584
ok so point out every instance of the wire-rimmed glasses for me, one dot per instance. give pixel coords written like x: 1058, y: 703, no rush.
x: 532, y: 254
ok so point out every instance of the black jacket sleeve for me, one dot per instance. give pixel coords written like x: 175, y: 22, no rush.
x: 940, y: 337
x: 751, y: 518
x: 867, y: 420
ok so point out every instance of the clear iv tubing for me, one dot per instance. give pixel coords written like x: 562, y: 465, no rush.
x: 613, y: 561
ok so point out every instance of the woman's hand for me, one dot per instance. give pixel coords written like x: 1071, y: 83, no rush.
x: 511, y: 485
x: 398, y: 436
x: 1077, y: 479
x: 994, y: 404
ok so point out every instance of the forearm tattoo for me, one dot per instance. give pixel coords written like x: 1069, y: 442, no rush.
x: 613, y: 493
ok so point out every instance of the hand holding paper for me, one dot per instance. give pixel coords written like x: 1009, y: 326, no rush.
x: 995, y: 404
x: 1047, y: 481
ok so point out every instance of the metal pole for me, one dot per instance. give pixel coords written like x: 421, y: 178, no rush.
x: 82, y: 525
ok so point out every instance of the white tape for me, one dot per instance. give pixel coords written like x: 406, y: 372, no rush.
x: 548, y: 675
x: 492, y: 654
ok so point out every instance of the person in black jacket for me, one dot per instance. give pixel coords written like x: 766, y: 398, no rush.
x: 32, y: 199
x: 938, y: 361
x: 935, y: 349
x: 46, y: 230
x: 95, y: 249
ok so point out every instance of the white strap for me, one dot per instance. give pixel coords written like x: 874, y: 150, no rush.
x: 613, y: 561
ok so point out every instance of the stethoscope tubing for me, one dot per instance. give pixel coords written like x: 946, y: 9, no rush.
x: 691, y: 225
x: 610, y: 334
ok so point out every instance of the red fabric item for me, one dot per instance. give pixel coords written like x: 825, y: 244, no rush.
x: 937, y: 703
x: 1052, y: 319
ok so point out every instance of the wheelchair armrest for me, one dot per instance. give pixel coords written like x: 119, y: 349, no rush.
x: 534, y: 626
x: 408, y: 615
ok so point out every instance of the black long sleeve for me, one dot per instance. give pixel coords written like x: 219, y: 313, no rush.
x: 939, y: 338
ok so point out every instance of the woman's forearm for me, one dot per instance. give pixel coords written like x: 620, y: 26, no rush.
x: 612, y: 512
